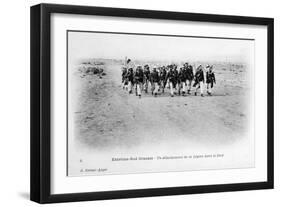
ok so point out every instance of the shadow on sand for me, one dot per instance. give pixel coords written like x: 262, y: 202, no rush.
x: 24, y: 195
x: 166, y: 94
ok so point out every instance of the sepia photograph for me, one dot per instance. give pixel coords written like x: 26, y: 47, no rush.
x: 153, y: 103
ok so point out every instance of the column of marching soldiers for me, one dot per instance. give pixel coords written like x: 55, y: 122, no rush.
x: 179, y: 80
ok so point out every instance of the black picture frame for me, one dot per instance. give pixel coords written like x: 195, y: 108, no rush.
x: 40, y: 176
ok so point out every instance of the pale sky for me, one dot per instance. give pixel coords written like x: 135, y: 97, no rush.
x: 84, y: 45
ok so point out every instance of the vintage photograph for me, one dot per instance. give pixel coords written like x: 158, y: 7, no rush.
x: 153, y: 103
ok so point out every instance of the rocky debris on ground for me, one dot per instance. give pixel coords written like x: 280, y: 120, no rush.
x: 92, y: 68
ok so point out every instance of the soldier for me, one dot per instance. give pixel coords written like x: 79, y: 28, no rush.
x: 182, y: 80
x: 124, y: 80
x: 130, y: 78
x: 178, y: 85
x: 129, y: 64
x: 154, y: 79
x: 210, y: 80
x: 146, y: 77
x: 172, y: 78
x: 138, y: 80
x: 199, y: 80
x: 163, y: 80
x: 189, y: 76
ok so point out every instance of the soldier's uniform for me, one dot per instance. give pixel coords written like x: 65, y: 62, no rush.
x: 130, y: 78
x: 139, y: 80
x: 189, y: 77
x: 199, y: 80
x: 210, y: 80
x: 178, y: 82
x: 124, y: 80
x: 163, y: 80
x: 172, y: 76
x: 155, y: 80
x: 146, y: 77
x: 127, y: 65
x: 182, y: 80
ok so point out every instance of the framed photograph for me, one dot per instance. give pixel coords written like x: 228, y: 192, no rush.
x: 133, y: 103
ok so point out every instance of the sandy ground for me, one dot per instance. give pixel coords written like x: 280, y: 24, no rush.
x: 106, y: 116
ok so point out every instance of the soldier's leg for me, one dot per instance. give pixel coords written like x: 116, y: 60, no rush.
x: 197, y: 86
x: 171, y: 88
x: 209, y: 88
x: 139, y: 89
x: 145, y: 86
x: 130, y: 87
x: 168, y: 82
x: 176, y: 87
x: 156, y: 88
x: 183, y: 87
x: 133, y: 87
x: 152, y: 87
x: 180, y: 87
x: 188, y: 83
x: 201, y: 88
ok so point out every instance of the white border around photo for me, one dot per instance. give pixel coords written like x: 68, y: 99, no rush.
x: 60, y: 183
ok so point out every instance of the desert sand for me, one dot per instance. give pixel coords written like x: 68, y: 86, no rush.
x: 106, y: 116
